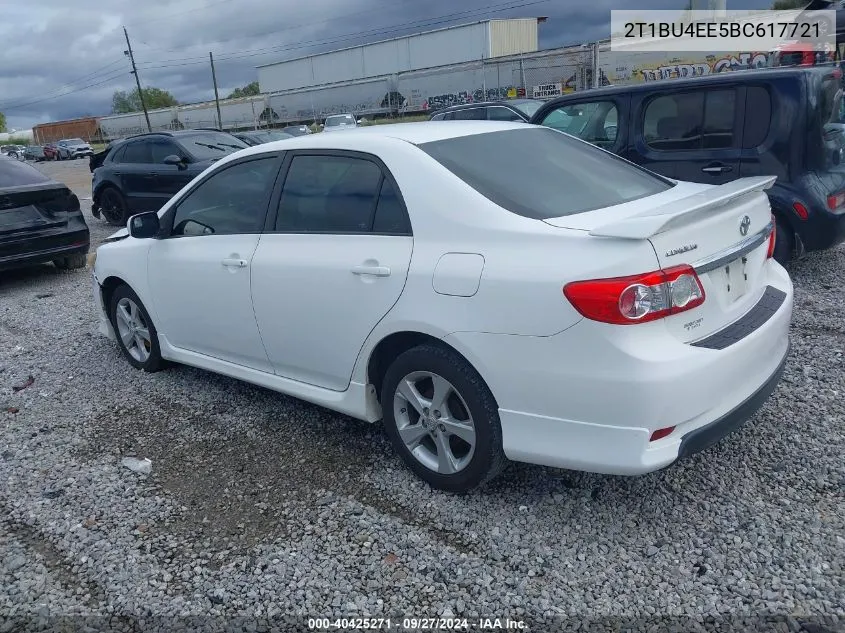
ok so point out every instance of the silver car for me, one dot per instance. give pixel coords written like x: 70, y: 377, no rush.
x: 73, y: 148
x: 339, y: 122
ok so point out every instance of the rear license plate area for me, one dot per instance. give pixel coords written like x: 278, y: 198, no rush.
x: 734, y: 278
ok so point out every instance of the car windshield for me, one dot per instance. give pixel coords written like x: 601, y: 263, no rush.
x: 543, y: 173
x: 340, y: 120
x: 208, y: 145
x: 528, y: 107
x: 77, y: 141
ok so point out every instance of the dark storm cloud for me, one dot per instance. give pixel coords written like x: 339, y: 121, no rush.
x: 64, y: 58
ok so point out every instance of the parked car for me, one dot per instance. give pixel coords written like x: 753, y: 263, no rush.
x: 338, y: 122
x: 717, y: 128
x: 34, y: 152
x: 12, y: 151
x: 40, y: 219
x: 258, y: 137
x: 510, y: 110
x: 73, y: 148
x: 297, y: 130
x: 142, y: 172
x: 483, y: 303
x: 51, y: 152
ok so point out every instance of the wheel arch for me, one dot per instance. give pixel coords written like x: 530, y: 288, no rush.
x: 392, y: 345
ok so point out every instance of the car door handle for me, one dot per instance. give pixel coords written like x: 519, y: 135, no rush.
x: 234, y: 262
x: 376, y: 271
x: 717, y: 169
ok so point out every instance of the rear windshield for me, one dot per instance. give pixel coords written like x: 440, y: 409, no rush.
x: 14, y: 173
x: 542, y: 173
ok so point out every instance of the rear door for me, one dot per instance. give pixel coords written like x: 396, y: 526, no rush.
x: 331, y: 265
x: 693, y: 135
x: 137, y: 181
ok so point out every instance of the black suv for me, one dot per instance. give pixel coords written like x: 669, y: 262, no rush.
x: 141, y: 173
x: 784, y: 122
x: 510, y: 110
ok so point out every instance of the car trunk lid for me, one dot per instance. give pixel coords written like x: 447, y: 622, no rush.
x: 32, y: 208
x: 722, y: 231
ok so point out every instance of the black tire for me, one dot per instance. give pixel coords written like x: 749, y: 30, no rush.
x: 784, y: 243
x: 488, y: 458
x: 154, y: 362
x: 72, y: 262
x: 113, y: 207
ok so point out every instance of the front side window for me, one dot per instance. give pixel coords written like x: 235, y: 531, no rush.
x: 499, y: 113
x: 161, y: 149
x: 470, y: 114
x: 233, y: 200
x: 595, y: 122
x: 329, y: 194
x: 543, y: 173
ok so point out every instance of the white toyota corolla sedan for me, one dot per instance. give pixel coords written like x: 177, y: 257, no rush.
x: 490, y: 291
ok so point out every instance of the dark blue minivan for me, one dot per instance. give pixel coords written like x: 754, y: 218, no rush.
x: 785, y: 122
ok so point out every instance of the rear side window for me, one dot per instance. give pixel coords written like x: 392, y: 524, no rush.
x: 470, y: 114
x: 14, y: 173
x: 691, y: 120
x: 137, y: 152
x: 499, y: 113
x: 758, y: 116
x: 329, y: 194
x: 543, y: 173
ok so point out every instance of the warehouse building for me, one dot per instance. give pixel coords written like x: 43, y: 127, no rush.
x: 448, y: 46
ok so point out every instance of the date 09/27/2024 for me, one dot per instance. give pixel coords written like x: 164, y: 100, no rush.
x: 415, y: 624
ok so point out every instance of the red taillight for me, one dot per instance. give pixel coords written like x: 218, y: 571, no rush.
x: 659, y: 434
x: 801, y: 210
x: 639, y: 298
x: 835, y: 201
x: 772, y: 239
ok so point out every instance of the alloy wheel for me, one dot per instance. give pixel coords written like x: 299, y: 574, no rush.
x: 434, y: 422
x: 133, y: 330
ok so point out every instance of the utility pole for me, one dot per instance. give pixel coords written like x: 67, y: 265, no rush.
x: 137, y: 80
x: 216, y: 96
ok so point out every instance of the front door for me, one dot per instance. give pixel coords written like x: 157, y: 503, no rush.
x: 136, y: 179
x: 602, y: 122
x: 200, y: 275
x: 168, y: 180
x: 332, y: 265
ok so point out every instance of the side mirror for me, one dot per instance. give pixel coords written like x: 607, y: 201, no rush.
x: 173, y: 159
x: 144, y: 225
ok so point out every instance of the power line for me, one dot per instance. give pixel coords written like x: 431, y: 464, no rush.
x: 170, y: 15
x: 118, y: 75
x: 11, y: 103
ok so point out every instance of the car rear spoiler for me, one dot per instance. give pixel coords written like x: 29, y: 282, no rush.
x: 96, y: 160
x: 659, y: 219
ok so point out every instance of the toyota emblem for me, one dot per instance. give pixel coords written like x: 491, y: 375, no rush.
x: 744, y: 225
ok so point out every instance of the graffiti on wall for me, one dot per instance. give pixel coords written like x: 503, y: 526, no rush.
x: 697, y: 68
x: 436, y: 102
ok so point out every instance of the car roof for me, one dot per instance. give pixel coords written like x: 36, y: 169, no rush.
x: 745, y: 74
x: 415, y: 133
x: 477, y: 104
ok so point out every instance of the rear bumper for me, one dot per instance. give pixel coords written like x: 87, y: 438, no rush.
x: 709, y: 434
x: 588, y: 399
x: 44, y: 250
x: 821, y: 230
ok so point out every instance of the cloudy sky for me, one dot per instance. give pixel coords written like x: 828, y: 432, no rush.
x: 62, y: 59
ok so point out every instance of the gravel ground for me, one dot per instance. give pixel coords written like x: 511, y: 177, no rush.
x: 260, y: 506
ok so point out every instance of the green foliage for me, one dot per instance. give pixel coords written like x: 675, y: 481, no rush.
x: 249, y: 90
x: 2, y: 122
x: 124, y: 102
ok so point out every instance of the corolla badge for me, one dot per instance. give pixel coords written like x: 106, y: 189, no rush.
x: 744, y: 225
x: 686, y: 248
